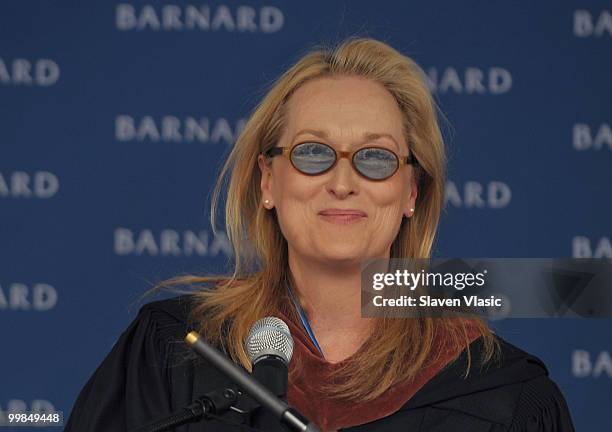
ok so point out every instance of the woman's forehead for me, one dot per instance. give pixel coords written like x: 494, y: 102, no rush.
x: 346, y: 106
x: 344, y: 90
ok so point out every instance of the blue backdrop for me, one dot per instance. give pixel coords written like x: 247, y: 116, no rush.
x: 115, y: 117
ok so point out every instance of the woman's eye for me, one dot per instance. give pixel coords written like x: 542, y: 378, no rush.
x: 376, y: 154
x: 313, y: 149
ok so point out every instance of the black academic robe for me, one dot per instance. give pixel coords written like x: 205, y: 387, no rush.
x: 147, y: 376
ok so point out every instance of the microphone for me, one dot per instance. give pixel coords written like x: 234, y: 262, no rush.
x: 286, y: 415
x: 269, y: 346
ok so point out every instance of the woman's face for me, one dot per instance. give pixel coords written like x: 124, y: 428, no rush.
x: 340, y: 112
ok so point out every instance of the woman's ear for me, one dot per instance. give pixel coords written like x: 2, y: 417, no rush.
x: 266, y: 177
x: 411, y: 204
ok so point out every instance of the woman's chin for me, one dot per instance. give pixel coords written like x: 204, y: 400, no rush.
x: 342, y: 255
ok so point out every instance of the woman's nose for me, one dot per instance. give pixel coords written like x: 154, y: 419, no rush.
x: 342, y: 181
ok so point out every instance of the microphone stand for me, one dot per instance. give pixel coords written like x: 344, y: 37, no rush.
x: 284, y: 414
x: 219, y: 401
x: 214, y: 402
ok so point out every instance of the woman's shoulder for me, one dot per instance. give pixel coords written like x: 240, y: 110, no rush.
x: 540, y: 405
x: 141, y: 362
x: 514, y: 390
x: 165, y: 323
x: 173, y: 309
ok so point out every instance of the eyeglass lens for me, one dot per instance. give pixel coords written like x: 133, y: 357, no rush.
x: 315, y: 158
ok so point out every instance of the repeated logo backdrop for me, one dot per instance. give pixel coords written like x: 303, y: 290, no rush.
x: 115, y: 118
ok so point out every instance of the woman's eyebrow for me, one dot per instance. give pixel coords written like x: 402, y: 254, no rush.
x: 367, y: 136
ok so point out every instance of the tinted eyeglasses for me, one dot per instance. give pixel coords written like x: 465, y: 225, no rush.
x: 313, y: 158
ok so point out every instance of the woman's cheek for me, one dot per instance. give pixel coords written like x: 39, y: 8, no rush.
x: 293, y: 227
x: 387, y: 217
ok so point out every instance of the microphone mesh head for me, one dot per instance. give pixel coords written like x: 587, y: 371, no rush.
x: 269, y: 336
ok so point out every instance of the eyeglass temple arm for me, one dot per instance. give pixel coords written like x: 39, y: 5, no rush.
x: 274, y: 151
x: 411, y: 160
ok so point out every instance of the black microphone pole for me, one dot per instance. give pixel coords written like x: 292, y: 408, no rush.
x: 285, y: 414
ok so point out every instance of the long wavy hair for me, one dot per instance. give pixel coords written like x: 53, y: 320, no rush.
x: 227, y: 306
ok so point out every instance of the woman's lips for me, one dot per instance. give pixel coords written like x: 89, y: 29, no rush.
x: 341, y: 216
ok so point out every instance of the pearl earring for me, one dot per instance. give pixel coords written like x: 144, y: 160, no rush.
x: 267, y: 202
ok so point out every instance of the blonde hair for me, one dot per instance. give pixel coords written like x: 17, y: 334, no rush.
x: 225, y: 310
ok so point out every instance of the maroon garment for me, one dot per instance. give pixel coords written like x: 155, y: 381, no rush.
x: 332, y: 414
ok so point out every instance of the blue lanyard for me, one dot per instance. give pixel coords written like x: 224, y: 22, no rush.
x: 304, y: 319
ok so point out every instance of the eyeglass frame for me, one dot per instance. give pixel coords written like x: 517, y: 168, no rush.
x: 286, y: 152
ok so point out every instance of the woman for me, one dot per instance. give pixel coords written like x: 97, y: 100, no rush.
x: 343, y: 160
